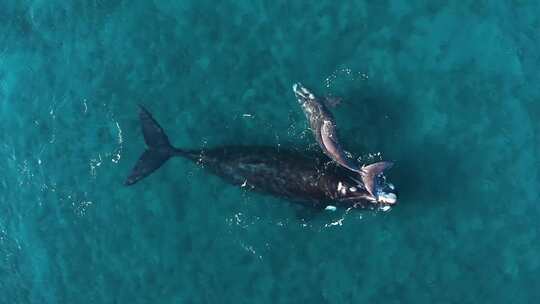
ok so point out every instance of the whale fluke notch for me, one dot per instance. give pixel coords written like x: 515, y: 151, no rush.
x: 158, y: 151
x: 370, y: 172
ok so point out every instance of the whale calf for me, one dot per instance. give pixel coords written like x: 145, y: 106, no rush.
x: 299, y: 177
x: 322, y: 124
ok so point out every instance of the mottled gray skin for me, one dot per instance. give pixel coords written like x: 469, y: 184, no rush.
x: 306, y: 179
x: 322, y: 124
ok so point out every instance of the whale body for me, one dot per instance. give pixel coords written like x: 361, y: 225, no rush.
x: 309, y: 179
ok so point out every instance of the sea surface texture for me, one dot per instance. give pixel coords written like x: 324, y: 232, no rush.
x: 449, y: 90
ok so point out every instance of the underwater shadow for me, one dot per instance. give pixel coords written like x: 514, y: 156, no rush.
x: 390, y: 122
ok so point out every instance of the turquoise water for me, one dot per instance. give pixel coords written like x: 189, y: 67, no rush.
x: 450, y: 92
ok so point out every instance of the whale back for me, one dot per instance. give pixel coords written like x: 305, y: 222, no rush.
x: 309, y: 178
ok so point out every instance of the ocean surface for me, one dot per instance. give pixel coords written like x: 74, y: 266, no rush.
x: 450, y: 92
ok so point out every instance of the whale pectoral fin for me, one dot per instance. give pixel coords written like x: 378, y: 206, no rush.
x: 332, y: 101
x: 333, y: 148
x: 370, y: 172
x: 307, y: 213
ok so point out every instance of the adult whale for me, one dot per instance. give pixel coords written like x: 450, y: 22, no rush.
x: 322, y: 124
x: 307, y: 179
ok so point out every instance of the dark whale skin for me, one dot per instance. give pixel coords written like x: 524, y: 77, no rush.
x: 299, y: 177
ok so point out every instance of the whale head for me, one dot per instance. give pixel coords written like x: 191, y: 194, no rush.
x: 302, y: 94
x: 385, y: 192
x: 375, y: 183
x: 382, y: 194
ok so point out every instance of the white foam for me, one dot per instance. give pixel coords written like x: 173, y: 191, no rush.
x: 336, y: 223
x: 330, y: 208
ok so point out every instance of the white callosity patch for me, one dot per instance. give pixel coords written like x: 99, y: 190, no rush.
x: 385, y: 208
x: 388, y: 198
x: 341, y: 189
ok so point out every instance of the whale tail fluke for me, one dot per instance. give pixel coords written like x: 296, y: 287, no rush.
x: 158, y: 151
x: 370, y: 172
